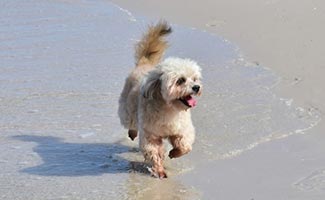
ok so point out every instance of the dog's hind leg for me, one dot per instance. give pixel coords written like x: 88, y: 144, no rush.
x: 133, y: 134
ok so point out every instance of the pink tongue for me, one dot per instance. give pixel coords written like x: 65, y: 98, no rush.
x: 190, y: 101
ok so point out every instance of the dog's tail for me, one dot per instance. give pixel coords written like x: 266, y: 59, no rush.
x: 152, y: 45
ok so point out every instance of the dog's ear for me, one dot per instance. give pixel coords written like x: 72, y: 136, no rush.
x: 151, y: 87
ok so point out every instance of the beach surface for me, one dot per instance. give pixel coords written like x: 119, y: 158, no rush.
x: 259, y: 123
x: 287, y: 37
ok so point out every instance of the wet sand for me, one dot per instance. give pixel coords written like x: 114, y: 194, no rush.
x: 62, y: 67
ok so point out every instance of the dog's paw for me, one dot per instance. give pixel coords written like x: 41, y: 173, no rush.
x: 157, y: 174
x: 175, y: 153
x: 133, y: 134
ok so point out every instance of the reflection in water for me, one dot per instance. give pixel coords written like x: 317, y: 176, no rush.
x: 141, y: 187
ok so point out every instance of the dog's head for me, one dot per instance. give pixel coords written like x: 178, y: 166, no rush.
x: 175, y: 81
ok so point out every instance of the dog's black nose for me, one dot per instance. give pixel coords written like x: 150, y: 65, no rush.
x: 196, y: 88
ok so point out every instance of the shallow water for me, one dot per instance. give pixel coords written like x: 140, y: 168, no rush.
x: 62, y: 67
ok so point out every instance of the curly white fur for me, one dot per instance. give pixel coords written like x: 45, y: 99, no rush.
x: 155, y: 101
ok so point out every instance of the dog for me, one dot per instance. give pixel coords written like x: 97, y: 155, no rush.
x: 157, y: 97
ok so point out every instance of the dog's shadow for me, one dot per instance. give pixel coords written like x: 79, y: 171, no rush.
x: 61, y: 158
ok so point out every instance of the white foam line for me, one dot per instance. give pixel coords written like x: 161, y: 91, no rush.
x: 131, y: 16
x: 237, y: 152
x: 288, y: 102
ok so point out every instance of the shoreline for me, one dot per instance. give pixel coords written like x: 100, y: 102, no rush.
x: 274, y: 49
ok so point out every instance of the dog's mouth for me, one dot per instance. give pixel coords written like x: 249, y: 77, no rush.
x: 188, y: 101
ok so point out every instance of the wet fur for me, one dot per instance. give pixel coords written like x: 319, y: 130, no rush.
x: 149, y: 103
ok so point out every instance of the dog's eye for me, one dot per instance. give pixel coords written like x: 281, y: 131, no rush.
x: 194, y: 79
x: 181, y: 80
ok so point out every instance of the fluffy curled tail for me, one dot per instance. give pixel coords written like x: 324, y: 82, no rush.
x: 152, y: 45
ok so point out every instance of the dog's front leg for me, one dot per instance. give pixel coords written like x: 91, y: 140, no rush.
x: 153, y: 152
x: 180, y: 146
x: 158, y: 168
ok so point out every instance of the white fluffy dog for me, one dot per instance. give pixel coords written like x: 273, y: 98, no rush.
x: 156, y: 99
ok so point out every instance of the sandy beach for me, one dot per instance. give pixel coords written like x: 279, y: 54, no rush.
x: 287, y: 37
x: 260, y: 133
